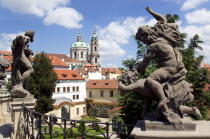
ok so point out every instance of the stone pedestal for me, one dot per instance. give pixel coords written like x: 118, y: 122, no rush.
x: 17, y: 109
x: 202, y: 131
x: 5, y: 115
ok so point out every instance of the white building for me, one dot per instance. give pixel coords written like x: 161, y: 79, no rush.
x: 69, y: 95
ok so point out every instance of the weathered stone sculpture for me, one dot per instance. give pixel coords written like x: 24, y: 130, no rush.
x: 168, y: 82
x: 21, y: 67
x: 4, y: 64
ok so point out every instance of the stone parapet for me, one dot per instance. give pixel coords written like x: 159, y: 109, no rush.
x: 202, y: 132
x: 17, y: 112
x: 5, y: 115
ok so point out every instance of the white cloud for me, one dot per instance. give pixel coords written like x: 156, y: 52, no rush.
x: 200, y: 16
x: 192, y: 4
x: 118, y: 33
x: 67, y: 17
x: 110, y: 66
x: 204, y: 32
x: 33, y: 7
x: 53, y: 11
x: 110, y: 50
x: 6, y: 40
x: 130, y: 56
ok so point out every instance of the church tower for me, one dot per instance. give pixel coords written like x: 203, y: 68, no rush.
x: 94, y: 54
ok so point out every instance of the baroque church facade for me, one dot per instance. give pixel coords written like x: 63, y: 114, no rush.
x: 80, y: 51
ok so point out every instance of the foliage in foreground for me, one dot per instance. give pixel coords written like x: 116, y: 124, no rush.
x: 42, y: 83
x: 74, y: 132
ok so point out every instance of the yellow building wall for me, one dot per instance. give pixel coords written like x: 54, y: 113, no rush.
x: 96, y: 95
x: 73, y: 111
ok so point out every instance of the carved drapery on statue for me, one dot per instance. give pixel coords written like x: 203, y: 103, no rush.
x: 21, y: 66
x: 167, y: 83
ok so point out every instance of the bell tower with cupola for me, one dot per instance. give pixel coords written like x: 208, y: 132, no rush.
x: 94, y: 53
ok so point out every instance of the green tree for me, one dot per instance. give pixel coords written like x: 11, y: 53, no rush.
x: 42, y: 83
x: 172, y: 18
x: 196, y: 74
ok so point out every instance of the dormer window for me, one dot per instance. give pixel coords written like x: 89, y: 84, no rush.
x: 74, y: 75
x: 64, y: 74
x: 106, y: 83
x: 94, y: 83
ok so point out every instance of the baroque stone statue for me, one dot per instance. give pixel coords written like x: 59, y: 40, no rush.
x: 4, y: 64
x: 21, y: 67
x: 167, y: 83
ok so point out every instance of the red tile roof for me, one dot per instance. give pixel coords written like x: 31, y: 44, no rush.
x: 103, y: 84
x: 89, y: 66
x: 85, y: 70
x: 68, y: 75
x: 6, y: 53
x: 10, y: 59
x: 65, y: 57
x: 72, y: 60
x: 10, y: 67
x: 115, y: 109
x: 206, y: 65
x: 110, y: 70
x: 58, y: 55
x: 56, y: 61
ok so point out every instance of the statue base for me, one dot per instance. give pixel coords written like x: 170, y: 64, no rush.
x: 151, y: 124
x: 5, y: 115
x: 18, y: 92
x: 17, y: 113
x: 150, y: 129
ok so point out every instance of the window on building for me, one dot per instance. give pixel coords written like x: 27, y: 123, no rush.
x: 68, y: 89
x: 90, y: 94
x: 102, y: 93
x: 73, y: 89
x: 81, y: 54
x: 111, y: 93
x: 84, y: 109
x: 77, y: 96
x: 75, y: 55
x: 58, y: 89
x: 95, y: 48
x: 95, y: 60
x: 77, y: 88
x: 77, y: 111
x: 64, y: 89
x: 73, y: 97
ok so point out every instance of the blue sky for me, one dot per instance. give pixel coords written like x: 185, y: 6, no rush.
x: 58, y: 22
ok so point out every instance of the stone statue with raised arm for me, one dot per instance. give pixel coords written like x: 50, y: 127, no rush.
x: 21, y: 66
x: 167, y: 83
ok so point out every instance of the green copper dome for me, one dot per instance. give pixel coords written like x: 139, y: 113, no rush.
x: 79, y: 42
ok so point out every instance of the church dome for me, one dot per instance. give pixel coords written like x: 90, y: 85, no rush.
x: 79, y: 42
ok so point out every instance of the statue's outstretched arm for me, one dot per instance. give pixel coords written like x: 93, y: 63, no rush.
x: 157, y: 16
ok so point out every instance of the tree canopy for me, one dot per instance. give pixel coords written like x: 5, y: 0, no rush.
x: 42, y: 83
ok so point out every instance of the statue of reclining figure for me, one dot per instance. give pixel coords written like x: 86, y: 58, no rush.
x: 168, y: 82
